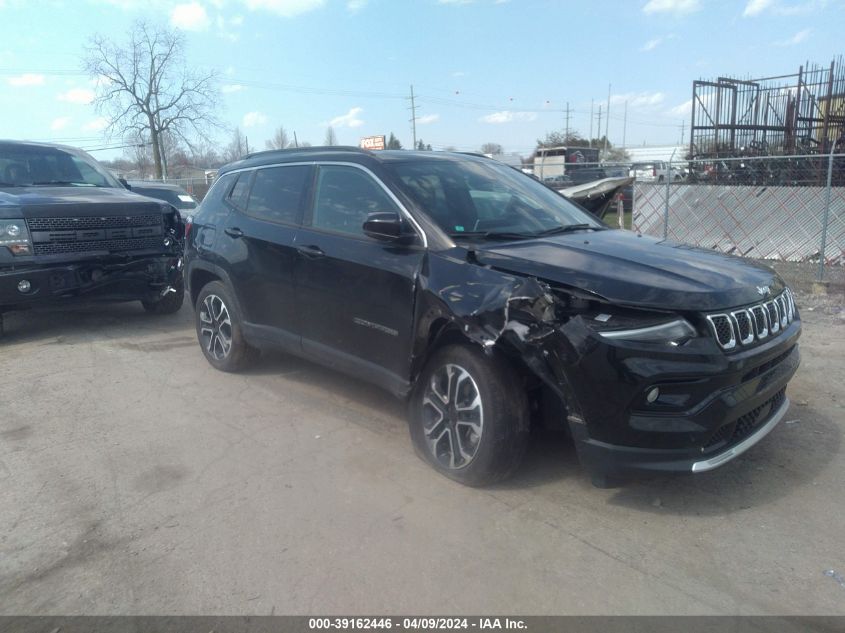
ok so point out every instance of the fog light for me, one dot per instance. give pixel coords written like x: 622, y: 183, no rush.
x: 652, y: 395
x: 24, y: 285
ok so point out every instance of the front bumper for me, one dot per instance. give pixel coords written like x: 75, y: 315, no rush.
x: 106, y: 278
x: 712, y: 414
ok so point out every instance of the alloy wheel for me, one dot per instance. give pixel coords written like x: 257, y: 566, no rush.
x: 215, y: 327
x: 453, y: 416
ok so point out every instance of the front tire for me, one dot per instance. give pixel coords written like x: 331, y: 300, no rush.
x: 469, y: 416
x: 218, y: 324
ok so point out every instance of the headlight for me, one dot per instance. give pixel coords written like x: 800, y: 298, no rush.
x: 15, y: 237
x: 672, y: 332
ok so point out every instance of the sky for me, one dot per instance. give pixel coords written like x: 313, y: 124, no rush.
x: 500, y: 71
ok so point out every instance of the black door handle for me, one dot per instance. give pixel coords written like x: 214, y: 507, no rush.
x: 233, y: 232
x: 311, y: 251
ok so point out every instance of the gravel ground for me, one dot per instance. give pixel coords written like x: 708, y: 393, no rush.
x: 135, y: 479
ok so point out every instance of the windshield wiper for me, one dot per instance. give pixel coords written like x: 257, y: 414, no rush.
x: 567, y: 228
x: 70, y: 183
x: 491, y: 235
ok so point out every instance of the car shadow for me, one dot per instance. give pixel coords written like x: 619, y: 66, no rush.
x: 81, y: 323
x: 793, y: 456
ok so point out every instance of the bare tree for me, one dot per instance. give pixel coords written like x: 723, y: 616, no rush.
x: 236, y: 148
x: 145, y: 88
x: 491, y: 148
x: 280, y: 139
x: 331, y: 138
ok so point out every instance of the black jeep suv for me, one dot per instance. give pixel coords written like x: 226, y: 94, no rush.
x: 69, y: 230
x: 488, y: 300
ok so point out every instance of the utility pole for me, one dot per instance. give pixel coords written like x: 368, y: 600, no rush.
x: 591, y: 123
x: 683, y: 132
x: 567, y: 120
x: 295, y: 142
x: 246, y: 142
x: 413, y: 119
x: 606, y: 120
x: 599, y: 125
x: 624, y: 124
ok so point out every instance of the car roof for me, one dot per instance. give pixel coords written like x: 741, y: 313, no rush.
x: 36, y: 144
x: 344, y: 154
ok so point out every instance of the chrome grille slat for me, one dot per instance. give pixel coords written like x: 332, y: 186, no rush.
x: 745, y: 325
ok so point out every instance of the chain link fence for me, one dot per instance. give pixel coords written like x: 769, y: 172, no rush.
x: 776, y: 208
x: 789, y: 208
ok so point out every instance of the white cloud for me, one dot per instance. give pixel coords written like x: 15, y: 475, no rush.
x: 190, y: 16
x: 252, y: 119
x: 428, y: 118
x: 506, y: 116
x: 679, y: 7
x: 230, y: 88
x: 285, y: 8
x: 756, y: 7
x: 228, y: 29
x: 96, y: 125
x: 639, y: 99
x: 459, y: 73
x: 683, y: 110
x: 799, y: 37
x: 350, y: 119
x: 651, y: 44
x: 77, y: 95
x: 455, y: 1
x: 60, y: 123
x: 355, y: 5
x: 27, y: 79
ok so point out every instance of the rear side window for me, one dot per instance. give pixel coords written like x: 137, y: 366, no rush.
x: 240, y: 191
x: 213, y: 211
x: 345, y: 197
x: 277, y: 194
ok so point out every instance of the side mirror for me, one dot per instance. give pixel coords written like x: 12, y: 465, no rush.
x: 385, y: 226
x: 123, y: 182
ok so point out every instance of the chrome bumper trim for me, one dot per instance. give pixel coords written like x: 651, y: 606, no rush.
x: 744, y: 445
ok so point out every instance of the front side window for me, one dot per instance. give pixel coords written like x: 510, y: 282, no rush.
x: 277, y: 192
x: 344, y: 198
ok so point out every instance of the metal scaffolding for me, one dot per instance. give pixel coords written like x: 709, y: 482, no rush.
x: 802, y: 113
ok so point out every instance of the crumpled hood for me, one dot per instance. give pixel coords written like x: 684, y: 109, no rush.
x: 625, y: 268
x: 44, y: 201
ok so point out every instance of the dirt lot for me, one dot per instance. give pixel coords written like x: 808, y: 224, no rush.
x: 135, y: 479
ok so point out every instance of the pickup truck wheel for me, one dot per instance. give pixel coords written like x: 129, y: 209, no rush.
x: 169, y: 303
x: 219, y: 331
x: 469, y: 416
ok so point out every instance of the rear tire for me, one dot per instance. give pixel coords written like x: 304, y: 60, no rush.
x: 218, y: 325
x: 169, y: 303
x: 469, y: 416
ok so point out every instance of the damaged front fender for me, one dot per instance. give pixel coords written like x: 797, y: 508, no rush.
x: 521, y: 315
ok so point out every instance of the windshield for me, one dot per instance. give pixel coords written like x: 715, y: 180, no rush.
x: 478, y: 199
x: 32, y: 165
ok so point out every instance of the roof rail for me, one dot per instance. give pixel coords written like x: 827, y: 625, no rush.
x: 309, y: 149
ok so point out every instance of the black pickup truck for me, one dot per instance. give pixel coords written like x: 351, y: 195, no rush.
x: 70, y: 231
